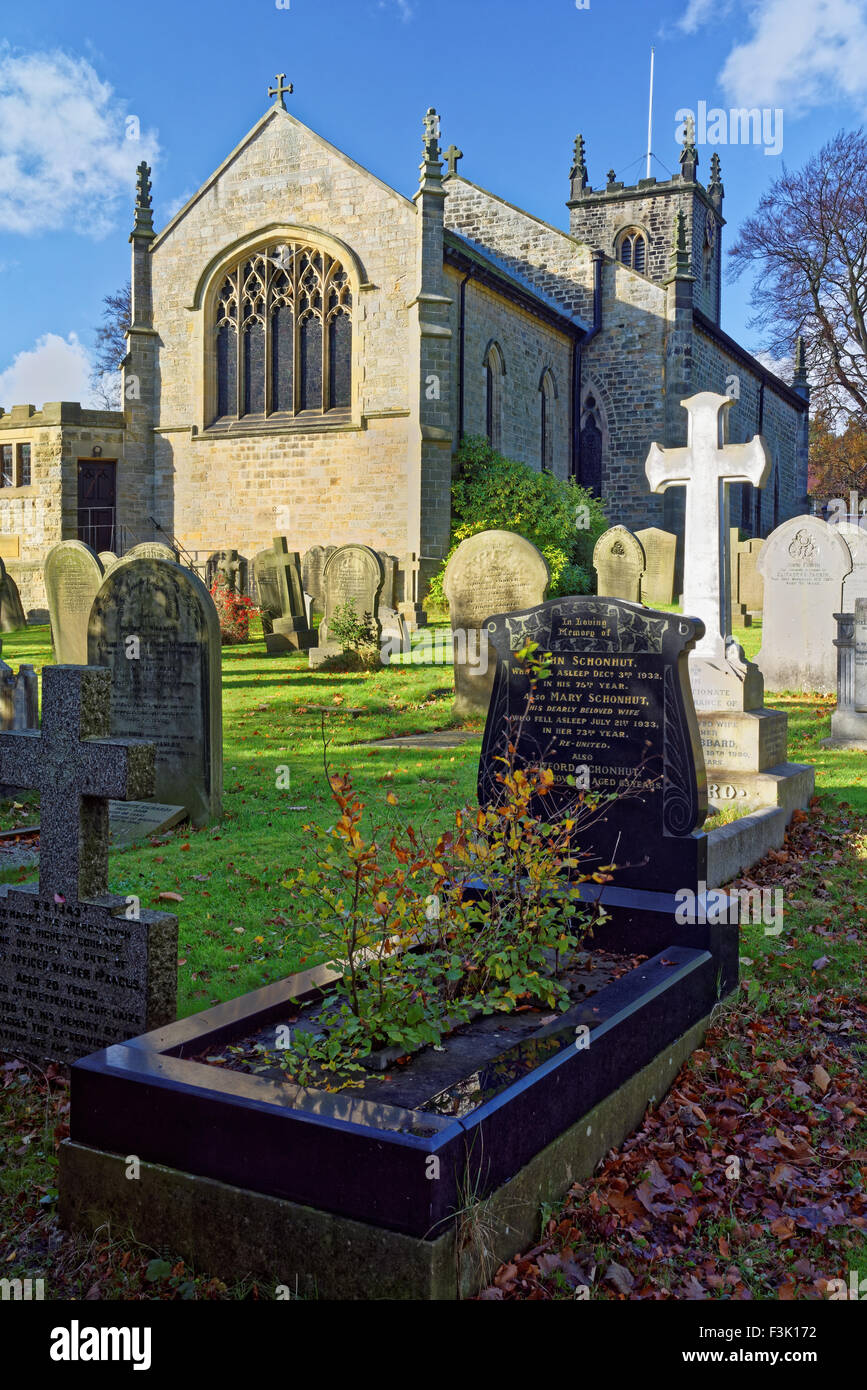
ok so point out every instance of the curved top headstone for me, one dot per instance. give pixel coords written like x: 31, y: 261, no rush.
x: 619, y: 562
x: 855, y: 583
x: 73, y: 575
x: 804, y: 563
x: 150, y: 550
x: 351, y: 574
x: 490, y: 573
x: 156, y: 628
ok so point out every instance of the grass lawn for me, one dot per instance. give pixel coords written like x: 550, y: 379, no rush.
x: 801, y: 995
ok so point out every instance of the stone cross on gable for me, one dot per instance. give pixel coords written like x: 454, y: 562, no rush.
x: 453, y: 155
x: 280, y: 91
x: 706, y: 468
x: 77, y: 769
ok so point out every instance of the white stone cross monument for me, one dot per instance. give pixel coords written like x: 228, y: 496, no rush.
x: 707, y: 467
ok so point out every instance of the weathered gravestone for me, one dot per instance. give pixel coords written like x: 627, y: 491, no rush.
x: 660, y: 556
x: 73, y: 575
x: 312, y: 571
x: 491, y: 573
x: 849, y: 720
x: 155, y: 626
x: 11, y: 611
x: 804, y: 564
x: 150, y: 550
x: 229, y: 567
x: 744, y: 744
x: 615, y: 714
x: 107, y: 559
x: 855, y: 582
x: 750, y: 584
x: 266, y: 584
x: 290, y: 629
x: 619, y: 562
x: 352, y: 575
x: 80, y: 968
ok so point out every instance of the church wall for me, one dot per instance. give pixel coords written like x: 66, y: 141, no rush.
x: 549, y: 258
x: 598, y: 218
x: 626, y: 361
x: 46, y: 512
x: 713, y: 370
x: 346, y: 484
x: 528, y: 346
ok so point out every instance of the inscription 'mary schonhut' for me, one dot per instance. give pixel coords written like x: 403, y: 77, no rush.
x: 79, y: 969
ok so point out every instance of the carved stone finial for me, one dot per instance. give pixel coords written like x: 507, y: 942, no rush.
x: 144, y: 217
x: 578, y: 173
x: 715, y: 187
x: 689, y: 153
x: 680, y: 263
x: 279, y: 92
x: 431, y: 165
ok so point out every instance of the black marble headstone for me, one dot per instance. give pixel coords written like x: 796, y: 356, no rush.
x: 617, y: 703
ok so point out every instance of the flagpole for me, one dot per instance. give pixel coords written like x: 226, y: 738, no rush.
x: 650, y: 116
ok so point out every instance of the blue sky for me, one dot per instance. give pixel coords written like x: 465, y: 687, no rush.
x: 514, y: 82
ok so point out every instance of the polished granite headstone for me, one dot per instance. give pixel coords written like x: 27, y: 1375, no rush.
x: 618, y: 703
x: 80, y: 968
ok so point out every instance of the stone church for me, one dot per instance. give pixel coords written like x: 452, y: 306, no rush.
x: 308, y: 346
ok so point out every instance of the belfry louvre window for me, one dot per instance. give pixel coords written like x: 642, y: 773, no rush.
x: 633, y: 250
x: 283, y: 335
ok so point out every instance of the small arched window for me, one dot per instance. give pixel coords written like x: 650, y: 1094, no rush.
x: 632, y: 250
x: 590, y: 472
x: 283, y: 335
x: 495, y: 370
x: 547, y: 395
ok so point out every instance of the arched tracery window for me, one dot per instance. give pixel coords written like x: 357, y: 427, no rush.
x: 590, y: 473
x: 632, y: 249
x: 283, y: 334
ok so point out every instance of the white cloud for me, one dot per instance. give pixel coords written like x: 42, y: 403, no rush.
x: 55, y: 369
x: 801, y: 53
x: 174, y: 205
x: 66, y: 159
x: 783, y: 367
x: 698, y: 12
x: 796, y: 54
x: 403, y: 7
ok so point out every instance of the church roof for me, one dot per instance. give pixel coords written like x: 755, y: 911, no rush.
x: 511, y: 279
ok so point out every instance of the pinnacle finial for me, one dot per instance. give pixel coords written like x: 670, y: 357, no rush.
x: 431, y: 165
x: 579, y: 163
x: 800, y: 375
x: 689, y: 153
x: 680, y: 264
x: 144, y: 217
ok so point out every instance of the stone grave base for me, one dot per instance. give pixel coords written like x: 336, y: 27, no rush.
x: 233, y: 1232
x: 289, y: 635
x: 788, y: 785
x: 734, y: 848
x: 848, y: 730
x: 321, y: 655
x: 751, y: 739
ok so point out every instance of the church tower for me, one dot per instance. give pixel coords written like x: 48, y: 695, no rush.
x: 636, y: 224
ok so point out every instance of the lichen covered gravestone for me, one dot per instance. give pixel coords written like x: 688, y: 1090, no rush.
x: 804, y: 564
x: 615, y: 715
x: 266, y: 584
x: 73, y: 575
x: 290, y: 628
x: 150, y: 550
x: 491, y: 573
x: 312, y: 568
x: 80, y: 968
x: 619, y: 562
x: 11, y: 611
x: 155, y: 626
x: 352, y: 575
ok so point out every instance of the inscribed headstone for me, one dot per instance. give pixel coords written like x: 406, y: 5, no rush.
x: 352, y: 574
x: 660, y: 555
x: 491, y: 573
x: 855, y: 583
x: 619, y: 562
x: 80, y: 969
x: 616, y: 715
x: 155, y: 626
x: 150, y: 550
x: 803, y: 564
x: 266, y: 584
x: 312, y: 567
x: 73, y: 575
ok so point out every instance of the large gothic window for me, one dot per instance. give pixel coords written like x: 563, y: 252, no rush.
x: 283, y: 335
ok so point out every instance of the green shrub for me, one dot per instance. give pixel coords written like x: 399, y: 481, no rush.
x: 491, y: 492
